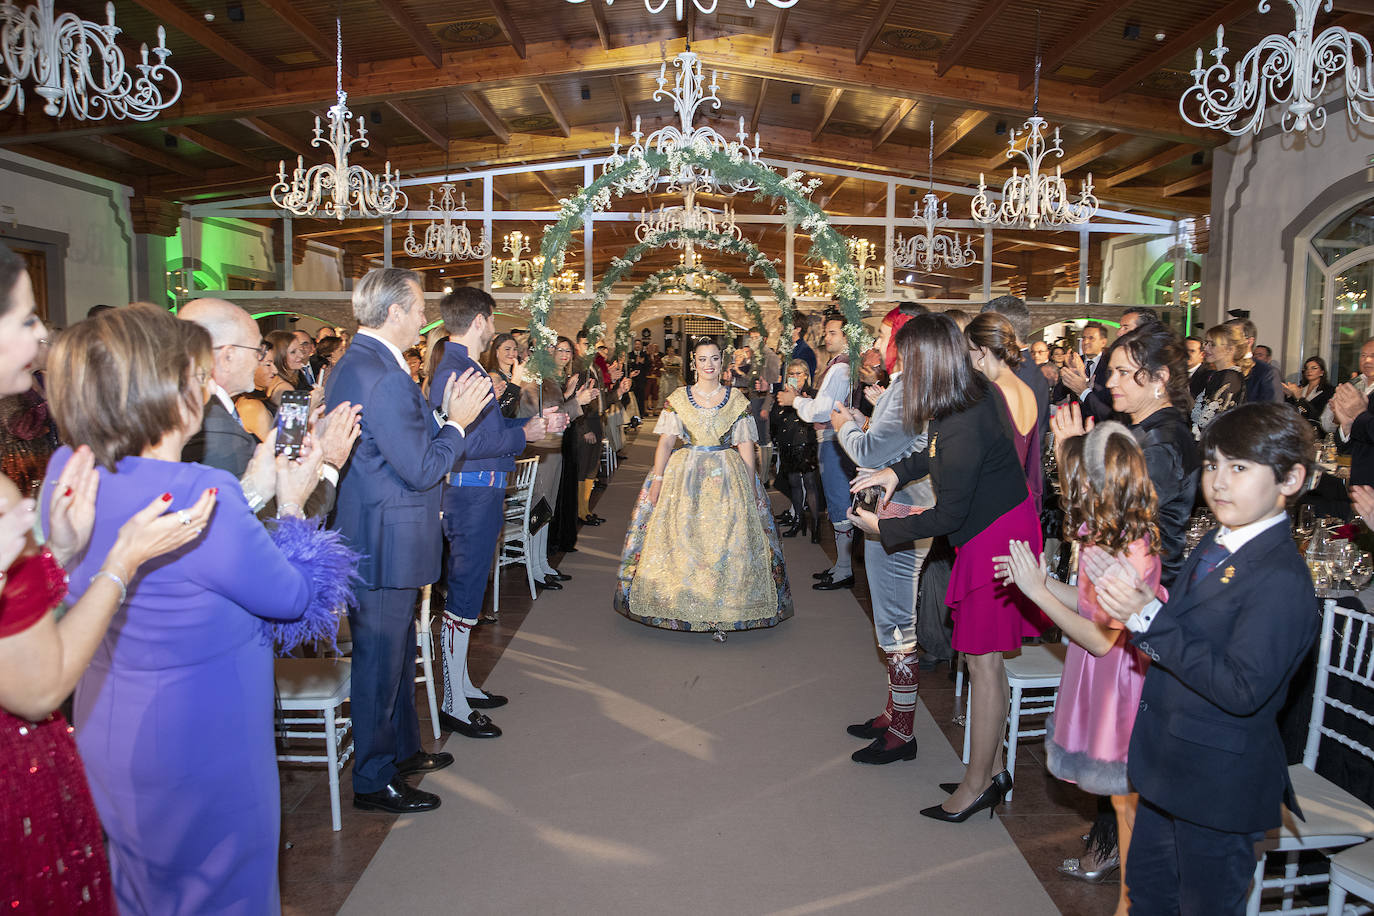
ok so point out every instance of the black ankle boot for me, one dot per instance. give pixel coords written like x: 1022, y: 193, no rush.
x: 798, y: 527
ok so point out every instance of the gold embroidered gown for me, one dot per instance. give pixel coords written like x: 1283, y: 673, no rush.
x: 707, y: 556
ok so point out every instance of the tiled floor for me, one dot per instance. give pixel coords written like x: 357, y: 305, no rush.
x: 319, y: 866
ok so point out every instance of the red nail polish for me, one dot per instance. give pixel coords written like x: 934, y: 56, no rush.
x: 214, y: 491
x: 67, y: 492
x: 166, y: 497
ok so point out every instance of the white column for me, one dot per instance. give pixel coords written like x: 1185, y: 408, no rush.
x: 486, y: 227
x: 288, y: 274
x: 1083, y: 242
x: 987, y: 263
x: 889, y: 268
x: 386, y: 241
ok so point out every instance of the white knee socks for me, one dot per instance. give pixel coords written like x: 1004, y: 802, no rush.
x: 844, y: 544
x: 453, y: 642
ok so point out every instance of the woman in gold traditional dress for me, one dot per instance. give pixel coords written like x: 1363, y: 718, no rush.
x: 702, y: 552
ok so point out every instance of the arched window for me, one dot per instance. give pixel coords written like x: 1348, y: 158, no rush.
x: 1340, y: 289
x: 1160, y: 289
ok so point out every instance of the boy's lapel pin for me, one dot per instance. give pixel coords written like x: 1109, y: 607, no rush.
x: 1227, y: 575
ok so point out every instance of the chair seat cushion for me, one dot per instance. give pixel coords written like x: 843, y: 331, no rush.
x: 1356, y: 867
x: 303, y: 680
x: 1037, y: 663
x: 1329, y: 810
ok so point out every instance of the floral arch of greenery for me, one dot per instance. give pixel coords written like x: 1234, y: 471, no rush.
x: 656, y: 283
x: 744, y: 248
x: 791, y: 190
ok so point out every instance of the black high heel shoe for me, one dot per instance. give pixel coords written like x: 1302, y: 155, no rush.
x: 800, y: 526
x: 990, y: 798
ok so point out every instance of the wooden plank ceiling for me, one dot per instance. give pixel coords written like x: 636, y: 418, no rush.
x: 852, y: 83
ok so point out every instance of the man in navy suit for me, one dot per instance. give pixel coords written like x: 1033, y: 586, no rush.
x: 1084, y: 377
x: 388, y: 509
x: 1206, y: 755
x: 473, y: 503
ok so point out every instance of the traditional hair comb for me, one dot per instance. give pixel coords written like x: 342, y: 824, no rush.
x: 1095, y: 449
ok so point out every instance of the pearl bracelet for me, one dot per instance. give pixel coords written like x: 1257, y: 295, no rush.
x: 123, y: 589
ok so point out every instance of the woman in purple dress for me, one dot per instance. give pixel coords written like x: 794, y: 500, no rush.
x: 174, y: 714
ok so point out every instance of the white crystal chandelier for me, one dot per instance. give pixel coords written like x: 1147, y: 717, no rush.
x: 688, y: 94
x: 57, y: 52
x: 932, y: 250
x: 872, y: 279
x: 686, y: 218
x: 445, y: 239
x: 1290, y: 70
x: 1036, y: 197
x: 339, y: 189
x: 702, y: 6
x: 693, y: 276
x: 515, y: 270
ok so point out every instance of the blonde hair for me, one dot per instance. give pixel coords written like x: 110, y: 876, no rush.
x: 121, y: 381
x: 1229, y: 335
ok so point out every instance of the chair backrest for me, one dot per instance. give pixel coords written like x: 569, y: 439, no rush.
x: 1346, y: 654
x: 520, y: 489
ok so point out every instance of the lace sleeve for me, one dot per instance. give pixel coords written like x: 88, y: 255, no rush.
x: 669, y: 424
x: 744, y: 430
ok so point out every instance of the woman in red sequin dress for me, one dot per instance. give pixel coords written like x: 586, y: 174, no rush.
x: 51, y: 857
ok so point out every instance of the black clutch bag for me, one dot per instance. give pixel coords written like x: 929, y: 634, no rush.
x: 540, y: 515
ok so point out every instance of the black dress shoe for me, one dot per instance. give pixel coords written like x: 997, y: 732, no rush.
x: 590, y: 520
x: 477, y: 725
x: 821, y: 575
x: 867, y: 730
x: 424, y: 762
x: 561, y: 577
x: 599, y: 519
x: 552, y: 585
x: 990, y: 798
x: 487, y: 701
x: 879, y: 753
x: 832, y: 585
x: 397, y: 798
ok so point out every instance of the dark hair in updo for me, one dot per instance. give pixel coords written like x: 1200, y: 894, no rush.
x: 994, y: 332
x: 704, y: 341
x: 1154, y: 348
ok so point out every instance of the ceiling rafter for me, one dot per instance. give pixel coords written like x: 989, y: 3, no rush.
x: 277, y: 135
x: 779, y: 29
x: 221, y: 149
x: 961, y: 128
x: 893, y: 121
x: 969, y: 33
x: 870, y: 34
x: 758, y: 106
x: 622, y: 97
x: 196, y: 30
x: 487, y: 114
x: 418, y: 32
x: 1145, y: 166
x: 1084, y: 27
x: 830, y: 102
x: 1091, y: 152
x: 507, y: 23
x: 416, y: 120
x: 323, y: 44
x: 157, y: 157
x: 544, y: 183
x: 1189, y: 38
x: 551, y: 103
x: 603, y: 31
x: 1200, y: 180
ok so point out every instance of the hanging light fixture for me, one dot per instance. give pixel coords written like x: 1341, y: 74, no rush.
x: 689, y: 217
x: 932, y: 250
x: 702, y: 6
x: 446, y: 239
x: 873, y: 279
x: 339, y: 189
x: 56, y: 51
x: 1288, y: 70
x: 688, y: 94
x: 1036, y: 197
x: 515, y: 270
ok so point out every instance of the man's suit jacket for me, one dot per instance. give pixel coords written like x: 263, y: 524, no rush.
x: 1097, y: 403
x: 1264, y: 383
x: 1198, y: 381
x: 492, y: 441
x: 388, y: 502
x: 1361, y: 449
x: 1206, y: 745
x: 221, y: 442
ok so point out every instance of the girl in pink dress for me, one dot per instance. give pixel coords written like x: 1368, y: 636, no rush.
x: 1110, y: 506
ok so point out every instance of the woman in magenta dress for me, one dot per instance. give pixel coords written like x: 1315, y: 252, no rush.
x: 174, y: 715
x: 981, y: 504
x: 51, y: 855
x: 1111, y: 510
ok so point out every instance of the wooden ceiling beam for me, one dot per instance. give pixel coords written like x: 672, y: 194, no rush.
x: 1146, y: 166
x: 1091, y: 152
x: 1083, y: 28
x: 875, y: 26
x: 488, y: 115
x: 969, y: 33
x: 221, y: 149
x: 961, y: 128
x: 825, y: 196
x: 416, y: 120
x: 830, y: 102
x: 551, y: 103
x: 277, y: 135
x: 544, y: 183
x: 1200, y: 180
x: 418, y: 32
x: 622, y: 97
x: 507, y: 23
x: 149, y: 155
x: 603, y: 32
x: 758, y: 106
x: 779, y: 29
x: 1189, y: 38
x: 331, y: 233
x: 195, y: 29
x: 323, y: 44
x: 893, y: 121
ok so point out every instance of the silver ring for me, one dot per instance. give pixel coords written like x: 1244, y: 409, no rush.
x: 184, y: 517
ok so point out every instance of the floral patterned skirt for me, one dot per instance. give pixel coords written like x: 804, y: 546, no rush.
x: 707, y: 556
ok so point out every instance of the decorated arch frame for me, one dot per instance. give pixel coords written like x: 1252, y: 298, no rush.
x: 654, y: 284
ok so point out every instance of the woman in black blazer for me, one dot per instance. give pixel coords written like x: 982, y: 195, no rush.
x: 1311, y: 396
x: 981, y: 504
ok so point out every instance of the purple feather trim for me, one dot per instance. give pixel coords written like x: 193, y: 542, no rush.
x: 332, y: 568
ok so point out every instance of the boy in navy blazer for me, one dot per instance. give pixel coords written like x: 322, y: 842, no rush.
x: 1206, y: 755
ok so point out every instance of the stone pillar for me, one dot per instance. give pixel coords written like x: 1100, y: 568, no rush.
x: 154, y: 220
